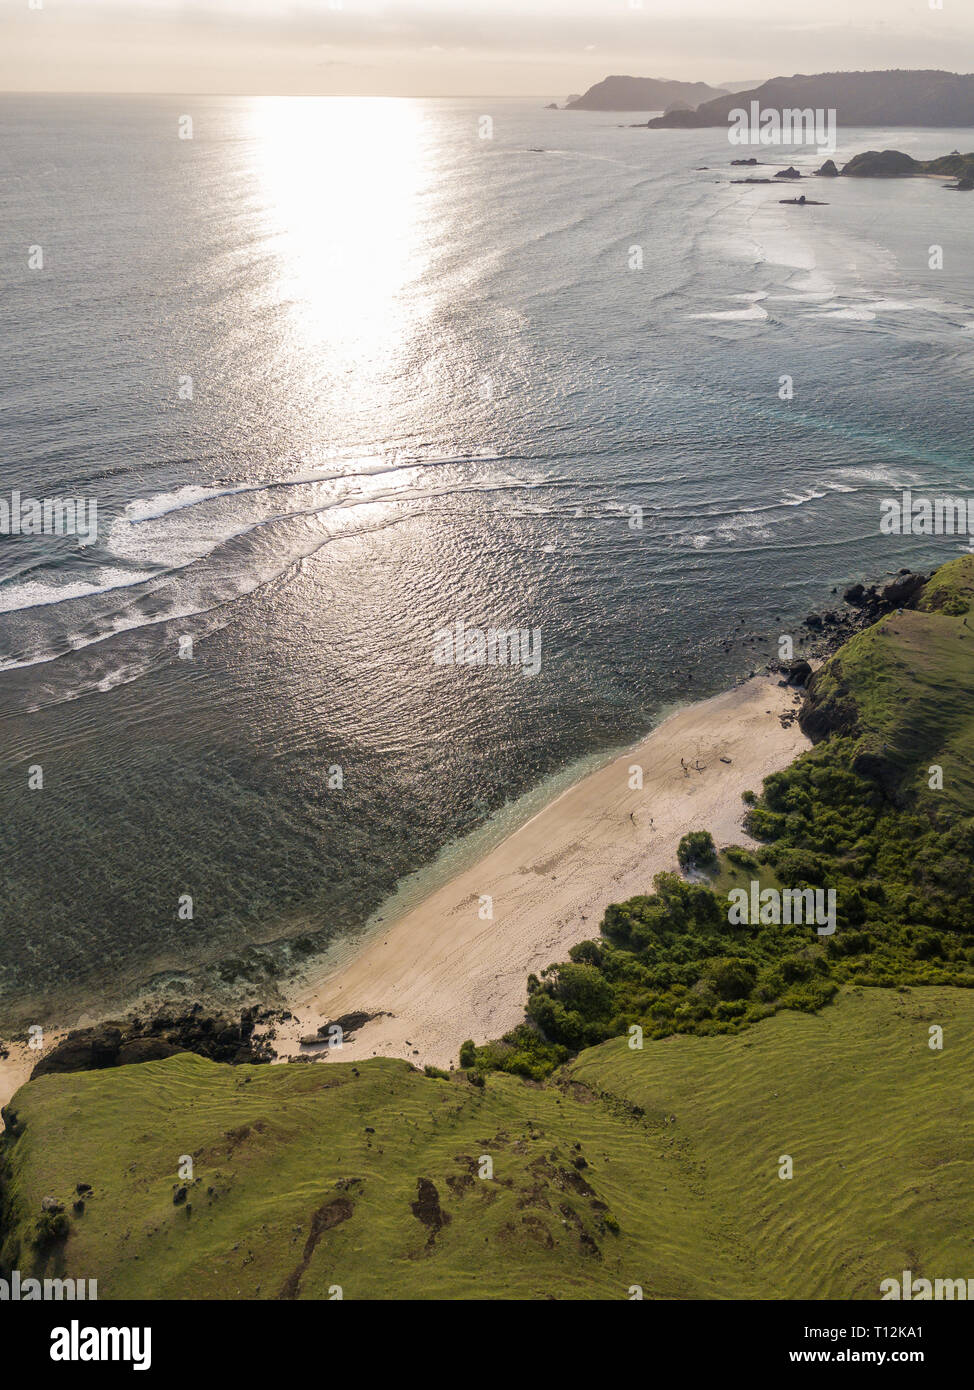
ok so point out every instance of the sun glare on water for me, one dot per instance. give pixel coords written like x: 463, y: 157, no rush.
x: 342, y: 181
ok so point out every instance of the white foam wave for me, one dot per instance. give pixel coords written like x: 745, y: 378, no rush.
x: 34, y: 593
x: 754, y: 313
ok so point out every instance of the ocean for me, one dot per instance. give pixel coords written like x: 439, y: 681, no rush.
x: 342, y: 373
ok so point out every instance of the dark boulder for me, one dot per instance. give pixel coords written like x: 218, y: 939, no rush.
x: 903, y: 588
x: 349, y: 1023
x: 145, y: 1050
x: 220, y: 1039
x: 87, y: 1049
x: 797, y: 673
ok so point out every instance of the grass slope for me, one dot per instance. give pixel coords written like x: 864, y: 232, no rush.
x: 908, y: 683
x: 656, y: 1167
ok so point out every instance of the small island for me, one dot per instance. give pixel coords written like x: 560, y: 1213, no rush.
x: 894, y: 164
x: 880, y: 164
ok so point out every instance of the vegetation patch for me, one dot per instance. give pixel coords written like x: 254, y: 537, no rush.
x: 878, y: 812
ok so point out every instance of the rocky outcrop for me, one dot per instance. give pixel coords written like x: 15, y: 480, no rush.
x: 829, y: 707
x: 349, y: 1024
x: 828, y: 170
x: 903, y: 589
x: 126, y: 1042
x: 797, y: 673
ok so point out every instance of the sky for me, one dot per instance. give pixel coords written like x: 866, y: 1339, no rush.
x: 458, y: 47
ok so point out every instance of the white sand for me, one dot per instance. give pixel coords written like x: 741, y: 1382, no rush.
x: 21, y: 1060
x: 446, y: 974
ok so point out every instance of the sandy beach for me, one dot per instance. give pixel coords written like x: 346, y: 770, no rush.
x: 20, y: 1061
x: 442, y: 972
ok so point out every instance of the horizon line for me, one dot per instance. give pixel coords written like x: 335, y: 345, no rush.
x: 325, y: 96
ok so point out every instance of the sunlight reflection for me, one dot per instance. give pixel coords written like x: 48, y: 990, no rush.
x: 342, y: 181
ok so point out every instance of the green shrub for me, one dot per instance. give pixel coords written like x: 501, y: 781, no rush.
x: 52, y: 1227
x: 669, y: 960
x: 730, y: 977
x: 697, y: 850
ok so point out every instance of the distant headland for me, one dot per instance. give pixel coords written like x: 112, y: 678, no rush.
x: 643, y: 94
x: 898, y: 97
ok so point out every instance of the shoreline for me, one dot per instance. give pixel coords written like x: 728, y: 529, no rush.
x: 440, y: 973
x: 435, y: 973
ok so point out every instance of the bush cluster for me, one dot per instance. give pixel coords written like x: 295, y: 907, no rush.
x: 670, y: 962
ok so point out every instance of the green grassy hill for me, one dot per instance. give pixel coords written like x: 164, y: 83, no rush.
x: 656, y: 1167
x: 905, y: 689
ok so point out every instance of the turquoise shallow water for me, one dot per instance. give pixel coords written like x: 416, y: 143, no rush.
x: 340, y: 374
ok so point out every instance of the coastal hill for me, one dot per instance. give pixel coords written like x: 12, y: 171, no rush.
x: 642, y: 94
x: 894, y: 164
x: 879, y: 812
x: 894, y: 98
x: 656, y: 1169
x: 562, y: 1161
